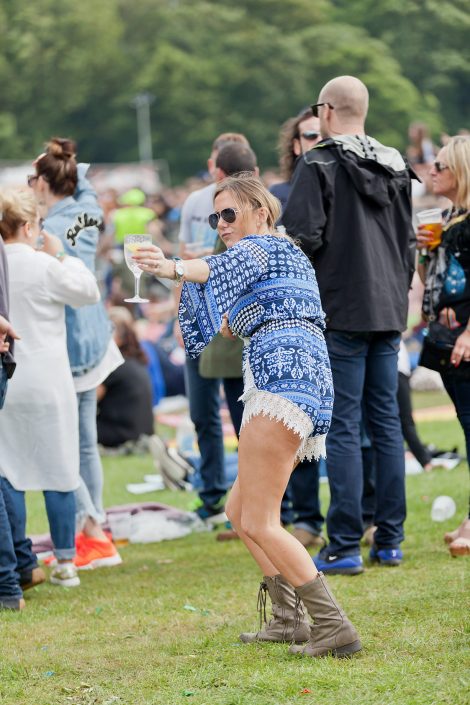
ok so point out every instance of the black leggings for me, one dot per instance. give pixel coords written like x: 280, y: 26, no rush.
x: 421, y: 453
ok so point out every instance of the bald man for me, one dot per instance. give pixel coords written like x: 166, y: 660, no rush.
x: 350, y: 207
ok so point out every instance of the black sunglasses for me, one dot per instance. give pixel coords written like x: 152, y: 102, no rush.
x: 318, y: 105
x: 439, y: 166
x: 31, y: 178
x: 227, y: 214
x: 310, y: 135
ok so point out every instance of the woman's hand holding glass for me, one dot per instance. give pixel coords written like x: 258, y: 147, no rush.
x: 424, y: 237
x: 150, y: 258
x: 429, y: 233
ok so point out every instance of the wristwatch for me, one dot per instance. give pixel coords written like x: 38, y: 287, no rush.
x: 179, y: 271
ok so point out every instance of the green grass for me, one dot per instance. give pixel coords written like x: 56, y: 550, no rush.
x: 125, y: 638
x: 424, y: 400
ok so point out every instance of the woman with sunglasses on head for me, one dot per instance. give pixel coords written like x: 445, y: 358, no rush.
x: 298, y: 135
x: 39, y: 426
x: 445, y: 271
x: 73, y: 215
x: 263, y: 289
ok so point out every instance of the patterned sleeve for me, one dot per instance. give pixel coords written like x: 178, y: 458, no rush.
x: 203, y: 305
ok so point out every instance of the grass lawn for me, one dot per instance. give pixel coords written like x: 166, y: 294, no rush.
x: 127, y: 637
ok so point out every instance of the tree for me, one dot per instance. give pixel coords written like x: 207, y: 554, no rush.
x: 429, y: 38
x: 73, y: 69
x: 63, y: 67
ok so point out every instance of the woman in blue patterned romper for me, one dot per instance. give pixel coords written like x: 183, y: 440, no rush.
x: 263, y: 288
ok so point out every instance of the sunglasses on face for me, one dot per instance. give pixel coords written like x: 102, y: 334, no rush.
x: 318, y: 105
x: 227, y: 214
x: 310, y: 135
x: 439, y: 166
x: 31, y: 179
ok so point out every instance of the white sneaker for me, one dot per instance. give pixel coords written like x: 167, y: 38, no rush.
x: 449, y: 461
x: 65, y: 574
x: 173, y: 468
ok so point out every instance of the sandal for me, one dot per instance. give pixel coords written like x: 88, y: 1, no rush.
x: 460, y: 546
x: 450, y: 536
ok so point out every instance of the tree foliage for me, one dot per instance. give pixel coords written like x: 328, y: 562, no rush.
x: 429, y: 39
x: 213, y: 65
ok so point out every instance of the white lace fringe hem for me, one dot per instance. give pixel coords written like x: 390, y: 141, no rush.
x: 258, y: 402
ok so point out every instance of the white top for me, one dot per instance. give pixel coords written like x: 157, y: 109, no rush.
x: 39, y: 448
x: 94, y: 377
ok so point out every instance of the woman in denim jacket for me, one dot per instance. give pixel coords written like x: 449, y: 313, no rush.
x: 73, y: 215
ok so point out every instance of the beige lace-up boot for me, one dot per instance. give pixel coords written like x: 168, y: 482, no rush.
x: 331, y: 632
x: 289, y: 621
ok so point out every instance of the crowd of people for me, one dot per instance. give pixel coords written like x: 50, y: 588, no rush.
x: 292, y: 296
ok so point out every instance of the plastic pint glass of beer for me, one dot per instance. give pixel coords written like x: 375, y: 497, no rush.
x: 431, y: 220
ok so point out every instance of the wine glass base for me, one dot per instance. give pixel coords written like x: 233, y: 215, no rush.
x: 136, y: 300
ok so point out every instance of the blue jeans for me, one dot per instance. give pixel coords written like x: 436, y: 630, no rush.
x: 15, y: 549
x: 204, y: 409
x: 60, y: 508
x: 364, y: 367
x: 303, y: 490
x: 89, y: 496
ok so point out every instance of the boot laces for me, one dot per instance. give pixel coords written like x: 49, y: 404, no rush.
x: 298, y: 613
x: 261, y: 604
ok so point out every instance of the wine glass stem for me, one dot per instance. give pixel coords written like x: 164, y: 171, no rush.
x: 136, y: 287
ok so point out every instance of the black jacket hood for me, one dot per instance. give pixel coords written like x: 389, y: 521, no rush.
x: 380, y: 173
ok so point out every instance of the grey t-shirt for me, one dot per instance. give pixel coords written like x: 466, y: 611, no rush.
x: 194, y: 228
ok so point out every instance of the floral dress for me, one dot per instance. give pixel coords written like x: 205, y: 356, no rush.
x: 269, y: 290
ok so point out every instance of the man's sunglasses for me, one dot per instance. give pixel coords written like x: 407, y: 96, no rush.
x: 31, y: 178
x: 310, y: 135
x: 439, y: 166
x: 227, y: 214
x: 318, y: 105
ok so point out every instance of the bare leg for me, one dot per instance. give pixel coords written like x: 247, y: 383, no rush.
x: 266, y: 456
x: 233, y: 509
x: 93, y: 529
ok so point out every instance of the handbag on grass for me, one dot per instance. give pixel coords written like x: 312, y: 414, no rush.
x: 437, y: 349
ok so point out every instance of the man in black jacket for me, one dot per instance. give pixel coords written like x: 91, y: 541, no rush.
x: 350, y: 208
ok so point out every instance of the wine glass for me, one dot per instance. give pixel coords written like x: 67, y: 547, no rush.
x: 131, y: 245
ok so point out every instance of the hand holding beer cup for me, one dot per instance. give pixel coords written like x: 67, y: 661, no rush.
x: 429, y: 233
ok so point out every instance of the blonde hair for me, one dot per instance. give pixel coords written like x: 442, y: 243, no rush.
x: 16, y: 209
x: 248, y: 190
x: 457, y: 157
